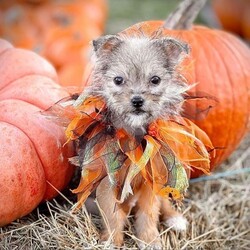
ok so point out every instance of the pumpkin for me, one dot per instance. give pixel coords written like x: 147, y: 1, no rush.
x: 234, y: 15
x: 219, y: 63
x: 33, y: 162
x: 59, y: 30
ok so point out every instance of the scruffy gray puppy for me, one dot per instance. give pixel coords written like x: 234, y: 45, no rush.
x: 138, y: 79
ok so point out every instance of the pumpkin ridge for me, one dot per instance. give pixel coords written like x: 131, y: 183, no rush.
x: 43, y: 163
x: 35, y: 183
x: 42, y: 106
x: 236, y: 53
x: 23, y: 62
x: 226, y: 140
x: 26, y: 101
x: 33, y: 144
x: 232, y: 110
x: 21, y: 76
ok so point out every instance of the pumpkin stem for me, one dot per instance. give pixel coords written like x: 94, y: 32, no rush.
x: 184, y: 15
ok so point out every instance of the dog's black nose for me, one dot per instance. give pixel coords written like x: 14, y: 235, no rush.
x: 137, y: 101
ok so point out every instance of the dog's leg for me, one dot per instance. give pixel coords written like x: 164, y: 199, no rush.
x: 147, y: 218
x: 171, y: 217
x: 113, y: 217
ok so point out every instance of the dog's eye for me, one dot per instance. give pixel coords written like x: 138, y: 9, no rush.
x: 118, y: 80
x: 155, y: 80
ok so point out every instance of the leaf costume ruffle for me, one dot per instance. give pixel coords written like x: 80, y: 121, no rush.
x: 164, y: 156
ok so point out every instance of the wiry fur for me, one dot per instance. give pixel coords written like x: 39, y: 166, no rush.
x: 137, y: 60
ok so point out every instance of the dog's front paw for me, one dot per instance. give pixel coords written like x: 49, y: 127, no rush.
x: 111, y: 241
x: 178, y: 223
x: 156, y: 245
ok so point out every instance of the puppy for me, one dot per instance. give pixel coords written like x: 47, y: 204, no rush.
x: 138, y: 79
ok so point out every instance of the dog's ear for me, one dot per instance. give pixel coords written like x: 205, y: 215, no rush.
x: 106, y: 43
x: 174, y: 50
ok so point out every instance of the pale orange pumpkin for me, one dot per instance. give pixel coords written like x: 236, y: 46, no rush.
x: 33, y: 162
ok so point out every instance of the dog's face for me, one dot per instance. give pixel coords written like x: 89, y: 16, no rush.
x: 137, y: 78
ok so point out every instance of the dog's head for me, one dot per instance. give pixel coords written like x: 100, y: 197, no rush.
x: 137, y: 77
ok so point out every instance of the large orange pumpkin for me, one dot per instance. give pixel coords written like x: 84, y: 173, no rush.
x: 234, y: 15
x: 59, y: 30
x: 220, y: 64
x: 33, y: 162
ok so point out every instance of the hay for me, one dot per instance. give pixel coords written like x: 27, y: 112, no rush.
x: 218, y: 212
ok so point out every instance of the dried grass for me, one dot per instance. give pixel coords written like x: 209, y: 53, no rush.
x: 218, y: 212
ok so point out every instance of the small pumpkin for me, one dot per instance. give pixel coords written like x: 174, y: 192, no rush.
x: 33, y: 162
x: 234, y: 15
x: 59, y: 30
x: 219, y: 64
